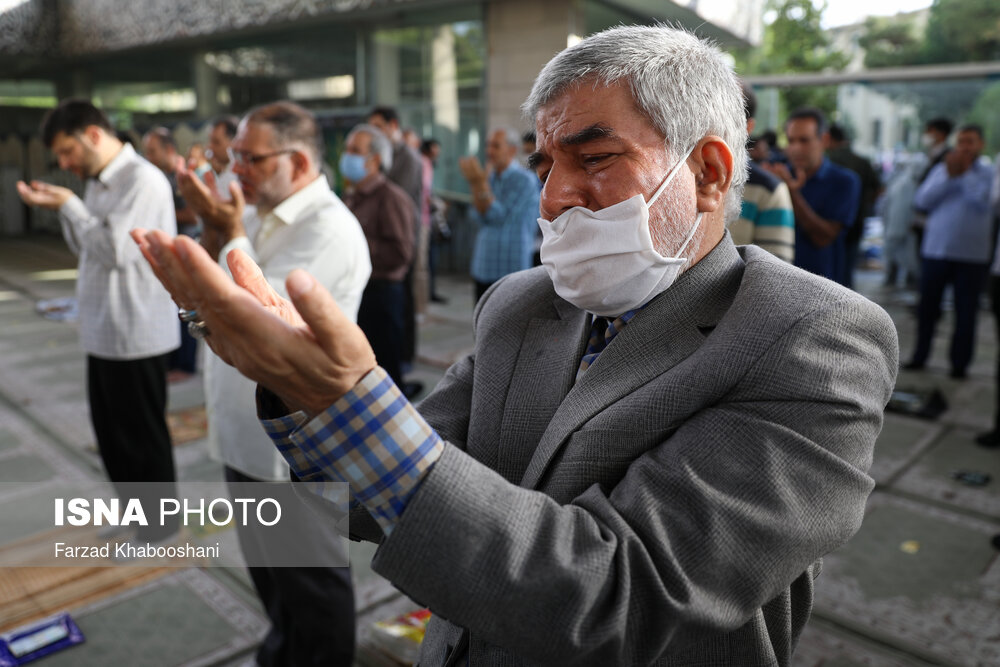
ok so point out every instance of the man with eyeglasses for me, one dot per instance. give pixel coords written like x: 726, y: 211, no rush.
x: 283, y: 213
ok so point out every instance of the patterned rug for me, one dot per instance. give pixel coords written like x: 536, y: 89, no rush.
x: 187, y: 425
x: 32, y: 593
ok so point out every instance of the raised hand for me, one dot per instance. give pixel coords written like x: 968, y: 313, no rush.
x: 781, y: 170
x: 306, y: 351
x: 957, y: 162
x: 472, y: 170
x: 224, y: 216
x: 42, y: 194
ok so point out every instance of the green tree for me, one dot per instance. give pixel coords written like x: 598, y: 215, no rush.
x: 984, y: 113
x: 890, y: 42
x: 957, y: 31
x: 795, y: 42
x: 962, y: 31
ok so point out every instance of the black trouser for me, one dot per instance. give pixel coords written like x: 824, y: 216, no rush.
x: 966, y: 279
x: 481, y: 288
x: 995, y: 302
x: 381, y: 317
x: 311, y: 608
x: 408, y: 349
x: 128, y: 400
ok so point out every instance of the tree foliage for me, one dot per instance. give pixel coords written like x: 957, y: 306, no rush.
x: 795, y: 42
x: 956, y: 31
x: 890, y: 42
x: 984, y: 113
x: 962, y: 31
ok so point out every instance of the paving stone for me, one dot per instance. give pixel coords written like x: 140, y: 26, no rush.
x: 25, y: 468
x: 956, y: 450
x: 825, y: 646
x: 172, y: 621
x: 902, y: 439
x: 49, y: 357
x: 21, y: 513
x: 917, y: 576
x: 975, y: 403
x: 8, y: 440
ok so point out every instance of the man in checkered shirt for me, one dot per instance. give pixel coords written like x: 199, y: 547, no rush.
x: 505, y: 203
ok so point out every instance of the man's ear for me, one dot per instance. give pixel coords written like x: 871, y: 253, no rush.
x: 300, y: 164
x: 94, y: 135
x: 713, y: 172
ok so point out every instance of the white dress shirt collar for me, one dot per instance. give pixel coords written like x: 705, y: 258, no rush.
x: 291, y: 209
x: 118, y: 162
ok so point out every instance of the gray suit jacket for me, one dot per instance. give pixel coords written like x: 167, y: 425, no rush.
x: 671, y: 506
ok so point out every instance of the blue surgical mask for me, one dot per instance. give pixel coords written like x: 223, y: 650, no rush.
x: 352, y: 167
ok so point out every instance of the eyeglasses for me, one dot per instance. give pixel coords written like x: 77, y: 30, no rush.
x: 245, y: 158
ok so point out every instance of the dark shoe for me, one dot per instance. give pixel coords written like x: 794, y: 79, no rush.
x: 991, y: 439
x: 913, y: 366
x: 996, y: 541
x: 412, y: 389
x: 436, y: 298
x: 959, y: 374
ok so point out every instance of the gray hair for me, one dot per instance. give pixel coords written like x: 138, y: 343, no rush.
x: 512, y: 136
x: 380, y: 145
x: 292, y: 125
x: 680, y: 82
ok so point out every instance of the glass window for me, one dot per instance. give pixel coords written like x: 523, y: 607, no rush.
x: 434, y: 76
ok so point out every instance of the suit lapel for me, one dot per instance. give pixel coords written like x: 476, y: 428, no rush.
x: 667, y: 331
x: 545, y: 370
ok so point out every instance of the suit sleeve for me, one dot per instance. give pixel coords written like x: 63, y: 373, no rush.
x: 773, y: 477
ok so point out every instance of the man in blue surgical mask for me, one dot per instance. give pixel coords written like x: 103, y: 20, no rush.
x: 386, y: 216
x: 658, y: 433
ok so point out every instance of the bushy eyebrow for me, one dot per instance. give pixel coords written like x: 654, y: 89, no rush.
x: 590, y: 133
x: 595, y: 131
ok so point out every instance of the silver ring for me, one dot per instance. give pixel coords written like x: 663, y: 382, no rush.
x: 198, y: 329
x: 187, y: 315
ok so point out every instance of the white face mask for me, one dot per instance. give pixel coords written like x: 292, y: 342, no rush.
x: 604, y: 261
x: 927, y: 140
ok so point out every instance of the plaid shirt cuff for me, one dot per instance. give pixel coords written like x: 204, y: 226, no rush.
x: 280, y: 431
x: 376, y: 441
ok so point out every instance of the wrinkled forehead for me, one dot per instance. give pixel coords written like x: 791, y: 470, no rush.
x: 588, y: 110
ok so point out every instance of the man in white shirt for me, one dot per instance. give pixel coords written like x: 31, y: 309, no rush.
x: 298, y: 222
x: 219, y: 137
x: 128, y: 322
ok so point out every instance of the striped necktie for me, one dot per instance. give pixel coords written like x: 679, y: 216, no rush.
x: 602, y: 332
